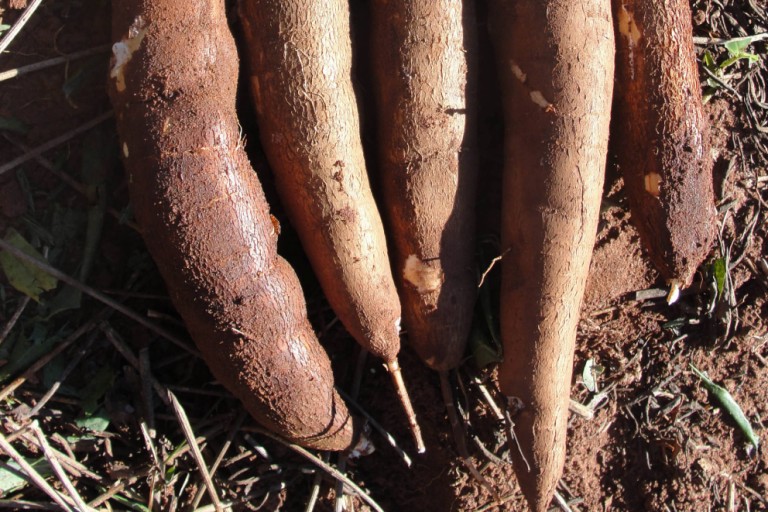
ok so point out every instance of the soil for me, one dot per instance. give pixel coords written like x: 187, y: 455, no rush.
x: 656, y: 440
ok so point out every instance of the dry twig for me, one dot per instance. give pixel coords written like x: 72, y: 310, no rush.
x: 236, y: 425
x: 459, y: 435
x: 333, y: 472
x: 61, y: 276
x: 34, y: 476
x: 379, y: 428
x: 181, y: 415
x: 129, y: 356
x: 8, y: 327
x: 54, y: 388
x: 16, y: 28
x: 54, y: 462
x: 54, y: 61
x: 76, y: 186
x: 61, y: 139
x: 40, y: 363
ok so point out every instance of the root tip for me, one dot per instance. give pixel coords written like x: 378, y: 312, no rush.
x: 402, y: 393
x: 674, y: 291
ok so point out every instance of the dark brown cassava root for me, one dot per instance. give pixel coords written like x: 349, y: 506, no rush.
x: 205, y: 220
x: 555, y: 63
x: 300, y: 60
x: 423, y: 58
x: 661, y: 136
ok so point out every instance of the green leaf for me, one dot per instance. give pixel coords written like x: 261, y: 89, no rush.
x: 736, y: 58
x: 4, y: 27
x: 128, y: 503
x: 737, y: 45
x: 99, y: 155
x: 66, y: 224
x: 712, y: 84
x: 13, y: 478
x: 487, y: 300
x: 96, y: 388
x: 53, y: 371
x: 81, y: 437
x: 98, y: 159
x: 482, y: 346
x: 709, y: 60
x: 5, y: 348
x: 719, y: 271
x: 486, y: 304
x: 26, y: 278
x: 87, y: 72
x: 730, y: 405
x: 24, y: 353
x: 66, y: 299
x: 11, y: 124
x: 93, y: 231
x: 97, y: 422
x: 69, y: 297
x: 38, y: 234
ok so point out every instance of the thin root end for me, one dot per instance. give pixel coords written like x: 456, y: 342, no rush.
x: 402, y: 393
x: 674, y: 291
x: 364, y: 445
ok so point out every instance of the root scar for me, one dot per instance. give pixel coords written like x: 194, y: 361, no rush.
x: 627, y: 26
x: 652, y: 182
x: 536, y: 96
x: 424, y: 277
x: 540, y: 100
x: 122, y: 51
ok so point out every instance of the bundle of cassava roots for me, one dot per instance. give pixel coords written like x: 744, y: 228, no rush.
x: 410, y: 256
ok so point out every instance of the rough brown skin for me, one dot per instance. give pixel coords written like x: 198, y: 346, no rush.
x: 206, y: 222
x: 662, y: 136
x: 423, y: 53
x: 555, y: 62
x: 300, y: 58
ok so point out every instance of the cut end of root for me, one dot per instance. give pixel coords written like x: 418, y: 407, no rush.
x: 674, y: 291
x: 402, y: 393
x: 364, y: 444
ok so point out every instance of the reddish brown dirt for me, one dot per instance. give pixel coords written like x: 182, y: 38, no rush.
x: 655, y: 443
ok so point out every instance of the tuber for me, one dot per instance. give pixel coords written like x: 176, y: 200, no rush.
x: 555, y: 60
x: 423, y: 55
x: 300, y: 57
x: 661, y: 136
x: 205, y: 220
